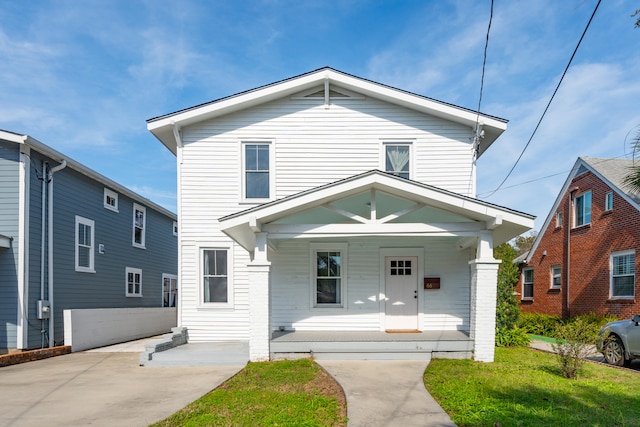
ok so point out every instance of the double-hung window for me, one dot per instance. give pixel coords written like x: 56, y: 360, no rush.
x: 582, y: 209
x: 556, y: 277
x: 215, y: 276
x: 527, y: 283
x: 256, y: 171
x: 85, y: 246
x: 397, y: 159
x: 623, y: 274
x: 133, y: 282
x: 329, y: 274
x: 139, y: 225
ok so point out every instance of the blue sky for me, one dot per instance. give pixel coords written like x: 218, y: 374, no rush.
x: 83, y: 76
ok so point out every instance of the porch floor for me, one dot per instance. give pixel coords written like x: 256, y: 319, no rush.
x: 370, y: 345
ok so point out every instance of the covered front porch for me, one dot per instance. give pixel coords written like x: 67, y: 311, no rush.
x: 358, y: 255
x: 370, y: 345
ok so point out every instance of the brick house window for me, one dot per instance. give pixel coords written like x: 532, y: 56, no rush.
x: 582, y: 209
x: 556, y: 277
x: 527, y: 283
x: 558, y: 219
x: 608, y: 201
x: 623, y: 274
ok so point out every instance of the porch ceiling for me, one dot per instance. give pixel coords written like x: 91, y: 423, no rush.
x: 374, y: 204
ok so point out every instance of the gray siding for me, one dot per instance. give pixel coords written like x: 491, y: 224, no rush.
x: 9, y: 199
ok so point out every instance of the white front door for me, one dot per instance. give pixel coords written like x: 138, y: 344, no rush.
x: 401, y: 283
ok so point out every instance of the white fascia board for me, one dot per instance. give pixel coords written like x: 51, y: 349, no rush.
x: 79, y: 167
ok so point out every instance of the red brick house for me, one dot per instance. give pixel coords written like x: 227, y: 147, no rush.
x: 584, y: 258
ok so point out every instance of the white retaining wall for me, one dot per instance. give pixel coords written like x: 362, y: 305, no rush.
x: 91, y: 328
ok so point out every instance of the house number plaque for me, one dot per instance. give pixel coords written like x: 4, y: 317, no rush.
x: 432, y: 283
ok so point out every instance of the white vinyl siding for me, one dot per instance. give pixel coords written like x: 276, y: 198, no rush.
x: 85, y: 245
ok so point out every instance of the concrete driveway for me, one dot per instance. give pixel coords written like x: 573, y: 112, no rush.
x: 100, y: 389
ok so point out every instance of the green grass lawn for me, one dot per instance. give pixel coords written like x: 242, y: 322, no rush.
x: 283, y: 393
x: 524, y: 387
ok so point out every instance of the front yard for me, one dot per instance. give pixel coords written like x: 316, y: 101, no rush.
x: 524, y: 387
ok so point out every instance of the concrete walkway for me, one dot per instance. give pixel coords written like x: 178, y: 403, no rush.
x: 386, y: 393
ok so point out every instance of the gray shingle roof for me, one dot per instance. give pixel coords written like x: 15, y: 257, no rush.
x: 615, y: 170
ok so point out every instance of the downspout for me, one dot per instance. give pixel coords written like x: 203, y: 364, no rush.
x: 50, y: 249
x: 179, y: 144
x: 572, y: 192
x: 42, y: 243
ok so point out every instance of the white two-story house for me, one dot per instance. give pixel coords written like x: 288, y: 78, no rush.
x: 331, y: 215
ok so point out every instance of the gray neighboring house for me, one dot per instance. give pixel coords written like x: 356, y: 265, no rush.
x: 71, y: 238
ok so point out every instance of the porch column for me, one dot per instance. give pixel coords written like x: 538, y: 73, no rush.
x: 259, y: 301
x: 484, y: 286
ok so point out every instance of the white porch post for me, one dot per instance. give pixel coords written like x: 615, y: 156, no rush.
x: 259, y: 301
x: 484, y: 285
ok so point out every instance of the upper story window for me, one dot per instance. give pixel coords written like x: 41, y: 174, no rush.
x: 256, y: 170
x: 556, y: 277
x: 397, y: 159
x: 582, y: 209
x: 85, y: 246
x: 139, y: 225
x: 558, y: 219
x: 527, y: 282
x: 110, y: 200
x: 608, y: 201
x: 623, y: 274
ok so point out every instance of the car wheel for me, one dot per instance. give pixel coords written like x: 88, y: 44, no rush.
x: 614, y: 351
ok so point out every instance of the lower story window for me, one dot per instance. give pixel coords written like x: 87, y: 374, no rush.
x: 623, y: 274
x: 215, y: 276
x: 169, y: 290
x: 328, y: 277
x: 133, y: 282
x: 527, y: 283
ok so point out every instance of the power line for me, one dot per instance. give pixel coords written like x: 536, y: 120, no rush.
x: 549, y: 103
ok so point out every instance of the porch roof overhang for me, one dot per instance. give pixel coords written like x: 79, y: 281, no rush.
x: 451, y: 214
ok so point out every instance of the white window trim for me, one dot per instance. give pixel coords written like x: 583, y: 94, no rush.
x: 230, y: 284
x: 167, y: 276
x: 133, y: 270
x: 90, y: 223
x: 559, y: 219
x: 608, y: 201
x: 575, y: 216
x: 383, y: 154
x: 113, y: 195
x: 137, y: 207
x: 272, y: 170
x: 532, y: 283
x: 343, y: 248
x: 616, y: 254
x: 551, y: 285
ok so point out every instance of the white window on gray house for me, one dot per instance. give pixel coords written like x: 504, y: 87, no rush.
x: 215, y: 276
x: 623, y: 274
x: 608, y: 201
x: 139, y: 225
x: 397, y: 159
x: 257, y: 179
x: 328, y: 276
x: 556, y: 277
x: 110, y: 200
x: 582, y: 209
x: 85, y: 246
x: 133, y: 277
x: 169, y: 290
x: 527, y: 283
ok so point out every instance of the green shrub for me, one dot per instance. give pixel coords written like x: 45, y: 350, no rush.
x: 539, y: 324
x: 592, y: 322
x: 572, y: 346
x: 515, y: 337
